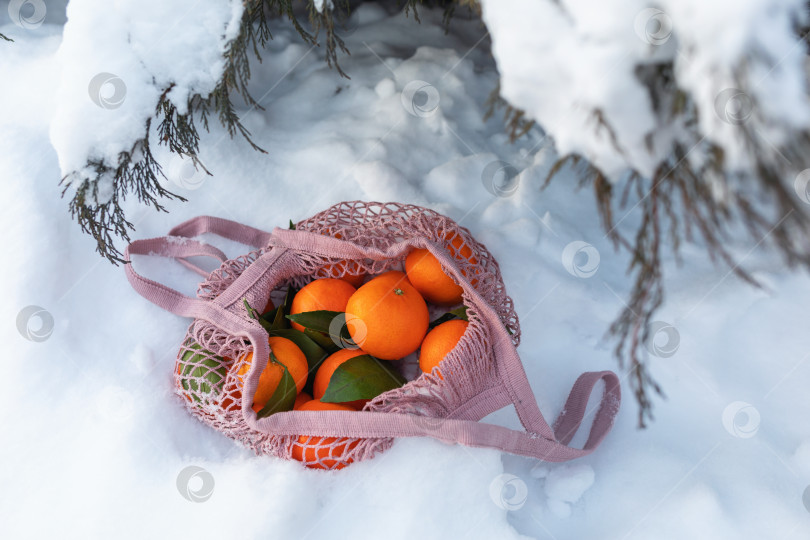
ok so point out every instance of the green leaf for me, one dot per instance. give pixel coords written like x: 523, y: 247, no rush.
x: 292, y: 225
x: 314, y: 352
x: 278, y: 322
x: 263, y: 320
x: 458, y: 313
x: 461, y: 313
x: 252, y: 313
x: 198, y: 363
x: 288, y: 298
x: 283, y: 398
x: 275, y: 318
x: 323, y: 322
x: 323, y: 340
x: 315, y: 320
x: 361, y: 377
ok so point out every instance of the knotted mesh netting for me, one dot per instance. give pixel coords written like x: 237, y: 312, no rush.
x: 209, y: 358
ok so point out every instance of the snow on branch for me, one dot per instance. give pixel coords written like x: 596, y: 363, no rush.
x: 697, y: 113
x: 177, y: 62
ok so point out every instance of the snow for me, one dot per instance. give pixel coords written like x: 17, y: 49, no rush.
x: 567, y: 483
x: 565, y: 63
x: 122, y: 59
x: 95, y: 442
x: 563, y: 485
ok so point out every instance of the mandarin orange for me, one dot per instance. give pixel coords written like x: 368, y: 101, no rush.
x: 440, y: 341
x: 425, y: 273
x: 387, y: 317
x: 288, y: 354
x: 322, y: 294
x: 300, y: 399
x: 322, y: 452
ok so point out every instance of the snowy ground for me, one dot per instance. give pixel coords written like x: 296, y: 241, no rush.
x: 94, y: 440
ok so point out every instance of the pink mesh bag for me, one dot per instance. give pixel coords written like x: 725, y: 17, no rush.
x: 482, y: 374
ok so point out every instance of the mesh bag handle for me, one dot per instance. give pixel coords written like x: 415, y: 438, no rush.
x: 551, y: 447
x: 157, y: 293
x: 179, y: 246
x: 225, y: 228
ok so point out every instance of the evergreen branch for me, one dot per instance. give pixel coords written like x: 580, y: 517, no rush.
x: 448, y: 9
x: 325, y: 20
x: 101, y: 188
x: 136, y: 171
x: 681, y: 198
x: 516, y: 123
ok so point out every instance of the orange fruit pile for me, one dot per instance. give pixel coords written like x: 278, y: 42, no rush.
x: 385, y: 319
